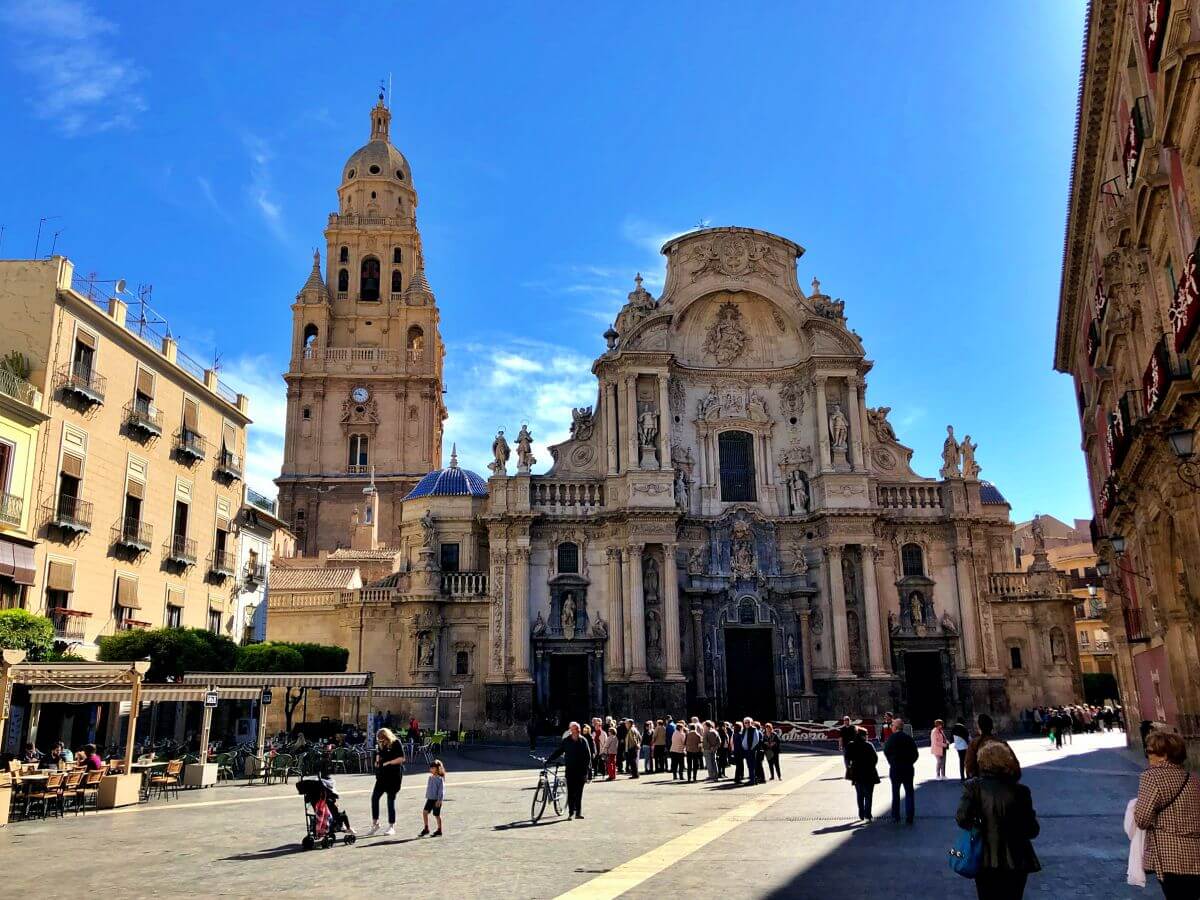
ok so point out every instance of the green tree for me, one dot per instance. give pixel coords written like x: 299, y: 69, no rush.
x: 284, y: 656
x: 269, y: 657
x: 172, y: 651
x: 21, y: 630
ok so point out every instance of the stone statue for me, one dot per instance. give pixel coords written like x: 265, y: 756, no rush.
x: 948, y: 624
x: 648, y: 428
x: 839, y: 427
x: 893, y: 620
x: 681, y: 489
x: 708, y: 407
x: 970, y: 469
x: 1039, y: 534
x: 583, y: 422
x: 884, y: 433
x: 756, y: 409
x: 650, y: 581
x: 568, y: 617
x: 950, y: 455
x: 599, y: 628
x: 425, y: 648
x: 1058, y: 645
x: 799, y: 560
x: 741, y: 549
x: 849, y: 580
x: 918, y: 613
x: 726, y: 338
x: 791, y: 645
x: 695, y: 563
x: 653, y: 631
x: 500, y: 454
x: 428, y: 531
x: 539, y: 625
x: 525, y: 457
x: 799, y: 492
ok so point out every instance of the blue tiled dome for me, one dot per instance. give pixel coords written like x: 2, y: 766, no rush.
x: 990, y: 494
x: 450, y: 482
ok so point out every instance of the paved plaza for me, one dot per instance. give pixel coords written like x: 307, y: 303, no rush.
x: 646, y: 838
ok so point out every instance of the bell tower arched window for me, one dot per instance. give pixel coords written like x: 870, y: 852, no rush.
x: 568, y: 558
x: 368, y: 283
x: 344, y: 254
x: 912, y: 560
x: 343, y: 281
x: 736, y: 450
x: 397, y: 281
x: 396, y: 256
x: 310, y: 339
x: 415, y: 344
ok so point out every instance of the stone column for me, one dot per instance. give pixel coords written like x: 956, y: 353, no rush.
x: 698, y: 651
x: 664, y: 423
x: 870, y: 553
x: 837, y: 595
x: 806, y: 651
x: 631, y: 426
x: 824, y: 463
x: 520, y: 616
x: 637, y: 616
x: 855, y: 416
x: 616, y: 616
x: 674, y: 670
x: 611, y: 399
x: 966, y: 607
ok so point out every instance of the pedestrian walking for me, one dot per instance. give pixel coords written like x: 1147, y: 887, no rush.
x: 678, y: 751
x: 633, y: 746
x: 846, y: 732
x: 962, y: 740
x: 648, y: 737
x: 938, y: 744
x: 578, y: 762
x: 723, y: 752
x: 693, y: 747
x: 862, y: 772
x: 612, y: 749
x: 902, y: 754
x: 738, y: 752
x: 771, y: 747
x: 1168, y: 809
x: 622, y: 730
x: 1001, y: 809
x: 984, y: 722
x: 389, y: 774
x: 435, y: 793
x: 751, y: 750
x: 712, y: 748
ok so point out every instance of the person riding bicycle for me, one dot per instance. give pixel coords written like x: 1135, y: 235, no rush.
x: 577, y: 756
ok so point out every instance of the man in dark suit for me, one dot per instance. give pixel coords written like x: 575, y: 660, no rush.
x: 901, y: 753
x: 751, y: 739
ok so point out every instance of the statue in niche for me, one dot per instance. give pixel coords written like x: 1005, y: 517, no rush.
x: 799, y: 486
x: 950, y: 455
x: 681, y: 488
x: 650, y: 581
x: 653, y: 633
x: 916, y: 608
x: 1058, y: 645
x: 839, y: 427
x: 539, y: 625
x: 500, y: 454
x: 428, y: 531
x: 599, y: 628
x: 948, y: 624
x: 695, y: 563
x: 970, y: 468
x: 425, y: 649
x: 568, y: 616
x: 893, y: 620
x: 525, y: 457
x: 849, y: 580
x: 854, y: 635
x: 791, y: 645
x: 648, y: 428
x: 726, y: 338
x: 741, y: 549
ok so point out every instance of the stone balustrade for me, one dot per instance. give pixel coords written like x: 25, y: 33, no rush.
x: 1008, y: 584
x: 566, y: 497
x: 910, y: 496
x: 465, y: 584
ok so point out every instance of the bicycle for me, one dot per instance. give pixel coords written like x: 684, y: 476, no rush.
x: 549, y: 789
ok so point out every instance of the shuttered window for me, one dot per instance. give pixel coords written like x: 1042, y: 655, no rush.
x: 86, y: 338
x: 191, y: 415
x: 60, y: 576
x: 135, y: 489
x: 127, y: 592
x: 72, y: 465
x: 145, y: 383
x: 229, y: 437
x: 736, y: 450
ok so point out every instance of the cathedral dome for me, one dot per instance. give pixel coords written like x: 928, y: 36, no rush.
x: 378, y: 158
x: 450, y: 482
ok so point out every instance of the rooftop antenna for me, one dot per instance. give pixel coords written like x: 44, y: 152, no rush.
x: 54, y: 243
x: 38, y: 243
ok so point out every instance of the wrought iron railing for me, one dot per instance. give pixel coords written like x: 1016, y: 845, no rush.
x: 144, y: 417
x: 254, y: 498
x: 1135, y: 624
x: 82, y: 381
x: 133, y: 534
x: 190, y: 445
x: 69, y: 624
x: 180, y: 550
x: 11, y: 507
x: 229, y: 464
x: 222, y: 562
x: 254, y: 573
x: 70, y: 513
x: 19, y: 389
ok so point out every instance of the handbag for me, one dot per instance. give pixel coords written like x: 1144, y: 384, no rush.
x: 966, y: 855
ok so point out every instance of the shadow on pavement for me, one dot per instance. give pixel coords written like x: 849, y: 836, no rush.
x: 1080, y: 800
x: 273, y: 853
x: 525, y: 823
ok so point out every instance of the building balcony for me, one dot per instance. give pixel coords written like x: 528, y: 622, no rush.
x: 254, y: 574
x: 82, y: 382
x: 358, y: 470
x: 134, y: 625
x: 565, y: 497
x: 350, y: 359
x: 133, y: 535
x: 1135, y: 624
x: 229, y: 465
x: 465, y: 584
x: 1102, y: 648
x: 11, y: 508
x: 915, y: 496
x: 190, y: 446
x: 143, y: 419
x: 257, y: 500
x: 20, y: 390
x: 69, y: 514
x: 69, y: 624
x: 223, y: 564
x: 180, y: 550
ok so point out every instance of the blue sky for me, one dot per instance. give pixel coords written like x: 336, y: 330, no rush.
x: 919, y: 152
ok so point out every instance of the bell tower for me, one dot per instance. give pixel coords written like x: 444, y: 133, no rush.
x: 364, y: 385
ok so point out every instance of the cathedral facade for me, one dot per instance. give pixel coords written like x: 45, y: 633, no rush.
x: 730, y: 529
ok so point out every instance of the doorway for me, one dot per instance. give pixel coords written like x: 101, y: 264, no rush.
x: 749, y: 674
x: 568, y: 698
x: 925, y: 689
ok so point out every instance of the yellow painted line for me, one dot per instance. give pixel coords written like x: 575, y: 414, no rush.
x: 123, y: 810
x: 629, y: 875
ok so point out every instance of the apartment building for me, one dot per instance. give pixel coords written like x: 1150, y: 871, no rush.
x: 136, y: 482
x: 21, y: 418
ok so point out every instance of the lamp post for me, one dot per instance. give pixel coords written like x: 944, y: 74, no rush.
x: 1183, y: 445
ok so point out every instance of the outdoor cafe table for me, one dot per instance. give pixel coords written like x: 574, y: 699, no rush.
x: 146, y: 770
x: 27, y: 783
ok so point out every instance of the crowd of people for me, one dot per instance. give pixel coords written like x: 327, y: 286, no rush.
x: 1060, y: 723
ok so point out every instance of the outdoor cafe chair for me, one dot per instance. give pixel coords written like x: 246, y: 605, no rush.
x: 224, y: 763
x: 71, y: 790
x: 169, y: 780
x: 89, y: 790
x: 50, y: 791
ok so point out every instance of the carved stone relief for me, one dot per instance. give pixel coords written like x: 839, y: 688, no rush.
x: 726, y: 337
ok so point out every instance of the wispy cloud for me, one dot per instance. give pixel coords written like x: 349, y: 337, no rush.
x: 508, y: 383
x: 261, y: 189
x: 78, y: 78
x: 206, y: 190
x: 258, y: 378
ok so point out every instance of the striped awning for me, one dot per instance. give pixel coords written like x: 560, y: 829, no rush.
x: 407, y: 693
x: 280, y: 679
x: 115, y: 675
x: 153, y: 693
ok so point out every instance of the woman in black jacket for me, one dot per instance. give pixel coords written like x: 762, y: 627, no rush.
x: 1002, y: 809
x: 861, y: 760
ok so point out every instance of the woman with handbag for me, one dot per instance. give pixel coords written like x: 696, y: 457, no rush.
x: 1000, y: 811
x: 1168, y: 808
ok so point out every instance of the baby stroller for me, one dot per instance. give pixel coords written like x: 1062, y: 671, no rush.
x: 322, y: 816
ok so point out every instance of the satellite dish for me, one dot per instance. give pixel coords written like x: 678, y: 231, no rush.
x: 120, y: 286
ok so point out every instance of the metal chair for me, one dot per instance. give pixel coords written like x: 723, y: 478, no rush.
x: 51, y: 791
x: 168, y: 781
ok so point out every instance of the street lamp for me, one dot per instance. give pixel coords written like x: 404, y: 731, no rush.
x: 1118, y: 543
x: 1092, y: 591
x: 1183, y: 444
x: 1104, y: 568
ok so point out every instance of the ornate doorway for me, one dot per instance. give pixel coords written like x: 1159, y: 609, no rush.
x: 749, y: 674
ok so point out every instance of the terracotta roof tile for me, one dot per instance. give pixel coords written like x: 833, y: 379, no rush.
x: 315, y: 579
